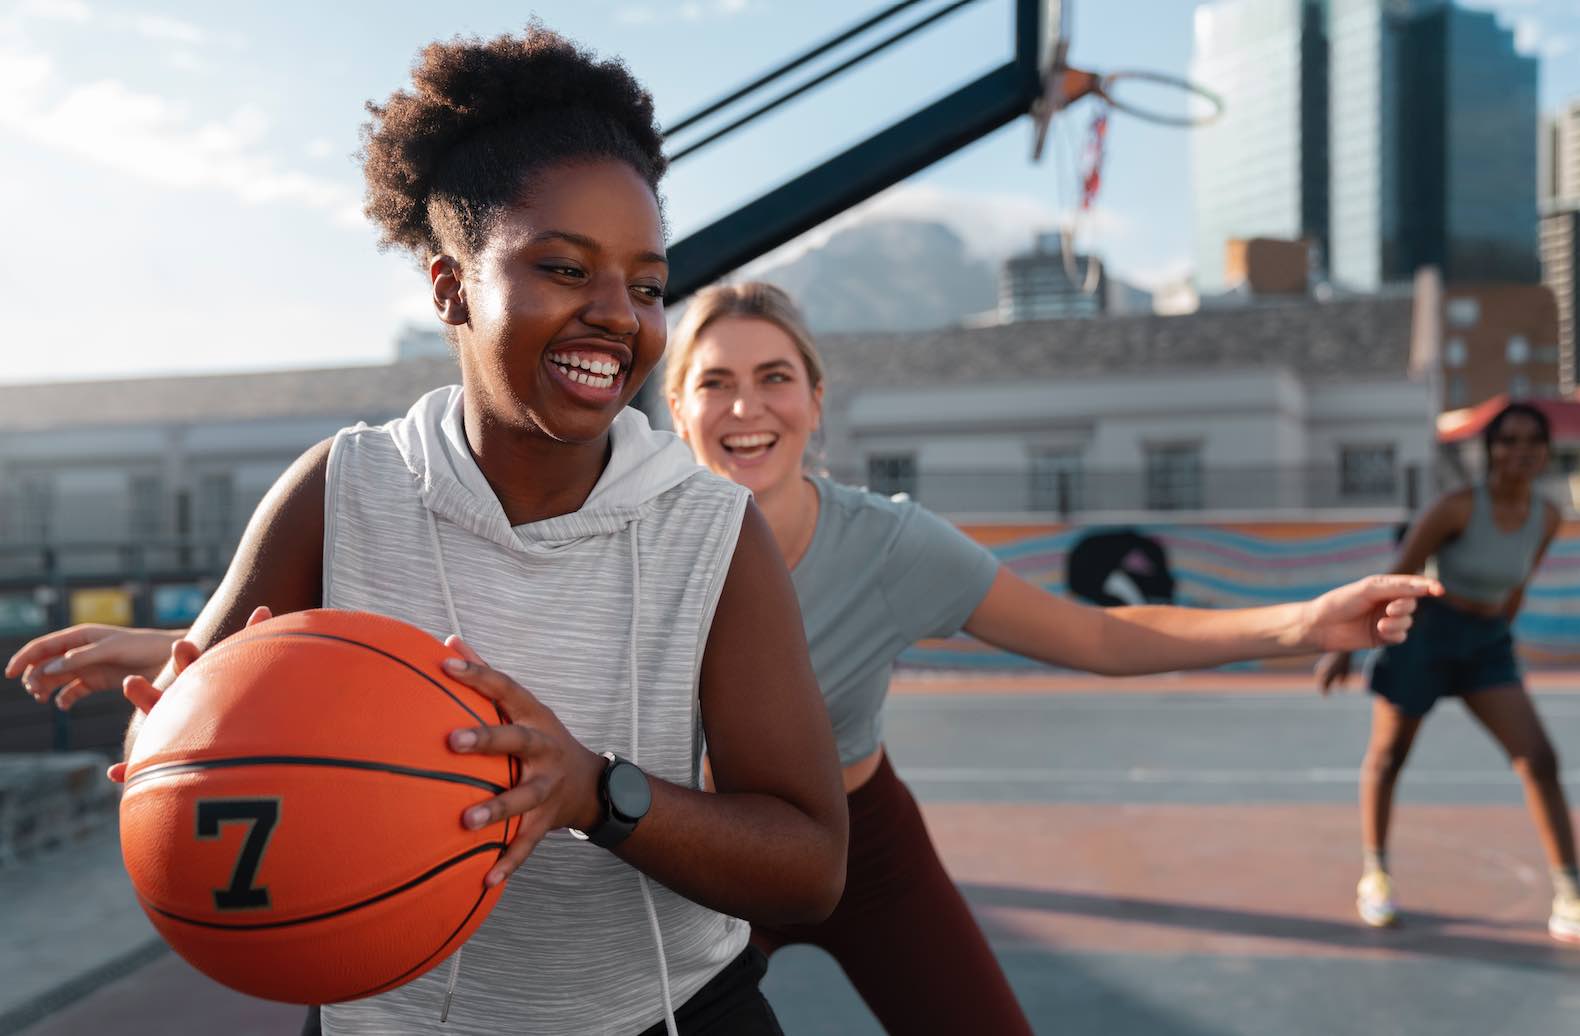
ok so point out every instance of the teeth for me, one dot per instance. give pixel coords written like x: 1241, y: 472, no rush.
x: 747, y: 442
x: 586, y: 370
x: 593, y: 364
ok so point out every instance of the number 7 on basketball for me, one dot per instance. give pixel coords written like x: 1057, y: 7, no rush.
x: 262, y: 815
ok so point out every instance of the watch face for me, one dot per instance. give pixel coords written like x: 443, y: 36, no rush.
x: 629, y: 794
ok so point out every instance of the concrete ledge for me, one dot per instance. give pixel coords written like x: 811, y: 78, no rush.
x: 51, y: 800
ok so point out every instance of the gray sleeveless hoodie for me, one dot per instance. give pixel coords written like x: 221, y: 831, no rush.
x: 603, y: 614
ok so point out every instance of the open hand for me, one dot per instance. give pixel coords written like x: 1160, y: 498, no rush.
x: 81, y: 660
x: 558, y: 785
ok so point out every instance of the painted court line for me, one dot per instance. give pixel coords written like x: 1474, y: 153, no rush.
x: 922, y: 682
x: 1549, y: 707
x: 1145, y: 775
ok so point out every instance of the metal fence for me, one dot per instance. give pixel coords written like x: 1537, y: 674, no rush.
x: 125, y: 554
x: 1167, y: 489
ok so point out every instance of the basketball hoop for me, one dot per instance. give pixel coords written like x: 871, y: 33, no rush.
x: 1128, y: 92
x: 1152, y: 96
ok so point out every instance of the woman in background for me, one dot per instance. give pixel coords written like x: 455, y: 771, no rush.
x: 1488, y: 541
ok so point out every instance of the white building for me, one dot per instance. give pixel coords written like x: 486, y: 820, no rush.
x: 161, y: 462
x: 1271, y: 407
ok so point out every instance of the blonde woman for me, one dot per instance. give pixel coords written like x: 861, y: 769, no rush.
x: 745, y: 388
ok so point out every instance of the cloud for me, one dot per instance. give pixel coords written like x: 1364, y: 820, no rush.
x: 1163, y: 275
x: 689, y: 11
x: 55, y: 10
x: 1532, y: 36
x: 160, y: 27
x: 993, y: 226
x: 1527, y: 35
x: 155, y: 139
x: 1554, y: 47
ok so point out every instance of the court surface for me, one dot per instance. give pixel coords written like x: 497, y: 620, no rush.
x: 1168, y: 857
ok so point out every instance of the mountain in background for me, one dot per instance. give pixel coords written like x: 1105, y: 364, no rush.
x: 888, y: 275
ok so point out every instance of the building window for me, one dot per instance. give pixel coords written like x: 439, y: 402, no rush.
x: 1519, y: 387
x: 1367, y: 473
x: 1056, y: 481
x: 1173, y: 477
x: 215, y: 506
x: 1457, y: 393
x: 1455, y: 353
x: 1463, y: 312
x: 145, y: 507
x: 891, y: 473
x: 29, y: 508
x: 1519, y: 350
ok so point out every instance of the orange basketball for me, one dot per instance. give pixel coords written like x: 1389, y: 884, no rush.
x: 292, y: 815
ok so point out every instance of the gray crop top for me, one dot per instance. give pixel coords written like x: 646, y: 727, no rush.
x: 878, y: 576
x: 1484, y: 563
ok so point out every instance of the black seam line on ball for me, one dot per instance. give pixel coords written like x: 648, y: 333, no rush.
x: 427, y: 961
x: 174, y: 769
x: 338, y: 911
x: 377, y: 651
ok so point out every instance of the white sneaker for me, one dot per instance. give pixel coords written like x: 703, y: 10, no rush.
x: 1374, y: 900
x: 1564, y: 925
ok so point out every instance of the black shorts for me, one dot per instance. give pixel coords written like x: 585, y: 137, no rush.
x: 1449, y: 653
x: 730, y: 1004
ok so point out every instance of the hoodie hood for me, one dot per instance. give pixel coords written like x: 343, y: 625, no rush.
x: 643, y: 464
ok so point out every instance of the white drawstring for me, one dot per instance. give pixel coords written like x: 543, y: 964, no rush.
x: 455, y: 627
x: 647, y: 892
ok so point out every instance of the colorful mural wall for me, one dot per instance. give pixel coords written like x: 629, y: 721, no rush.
x: 1234, y: 565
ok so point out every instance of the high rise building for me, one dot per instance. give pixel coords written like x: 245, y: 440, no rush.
x: 1559, y: 172
x: 1038, y: 284
x: 1468, y: 140
x: 1560, y: 242
x: 1432, y: 135
x: 1560, y: 229
x: 1363, y: 126
x: 1262, y: 169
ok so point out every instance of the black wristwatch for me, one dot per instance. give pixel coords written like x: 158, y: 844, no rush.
x: 624, y: 794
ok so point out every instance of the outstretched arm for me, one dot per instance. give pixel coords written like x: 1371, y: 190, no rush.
x: 1131, y: 641
x: 1438, y: 524
x: 89, y: 657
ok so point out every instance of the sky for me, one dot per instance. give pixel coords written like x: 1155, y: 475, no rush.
x: 179, y: 193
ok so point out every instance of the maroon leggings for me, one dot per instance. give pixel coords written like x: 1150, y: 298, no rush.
x: 902, y: 931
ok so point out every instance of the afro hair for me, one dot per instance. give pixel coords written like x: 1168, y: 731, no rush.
x: 444, y: 158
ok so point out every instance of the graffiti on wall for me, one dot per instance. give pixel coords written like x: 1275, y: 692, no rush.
x: 1239, y: 565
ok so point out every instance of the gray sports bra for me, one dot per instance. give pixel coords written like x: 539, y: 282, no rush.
x: 1484, y: 563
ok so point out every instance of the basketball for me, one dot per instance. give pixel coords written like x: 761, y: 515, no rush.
x: 292, y: 815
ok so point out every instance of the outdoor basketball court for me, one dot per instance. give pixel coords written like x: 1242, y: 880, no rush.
x: 1158, y: 857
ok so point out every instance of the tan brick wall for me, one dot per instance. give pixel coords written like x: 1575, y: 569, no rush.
x: 1499, y: 338
x: 1269, y: 265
